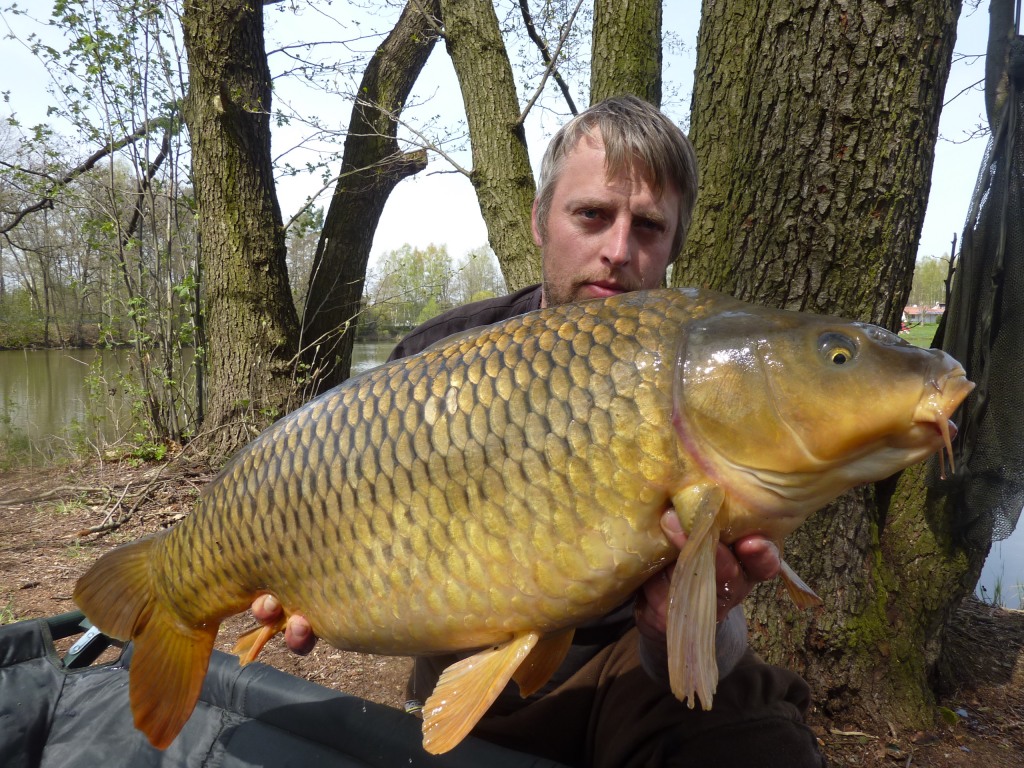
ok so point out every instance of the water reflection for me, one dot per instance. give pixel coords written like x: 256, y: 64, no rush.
x: 54, y: 398
x: 49, y: 397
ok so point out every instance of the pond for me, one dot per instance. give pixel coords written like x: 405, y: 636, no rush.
x: 54, y: 398
x: 44, y: 402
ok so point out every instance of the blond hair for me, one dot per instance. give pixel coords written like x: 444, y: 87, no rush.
x: 636, y: 135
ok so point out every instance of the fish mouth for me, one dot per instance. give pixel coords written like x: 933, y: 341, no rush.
x: 943, y: 395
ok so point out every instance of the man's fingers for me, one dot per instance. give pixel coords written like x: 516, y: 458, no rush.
x: 759, y: 557
x: 672, y: 528
x: 266, y: 609
x: 727, y: 567
x: 298, y: 635
x: 738, y: 568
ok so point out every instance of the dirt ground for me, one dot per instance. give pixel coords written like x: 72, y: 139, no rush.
x: 55, y: 523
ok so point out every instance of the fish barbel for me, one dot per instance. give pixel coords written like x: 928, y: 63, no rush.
x: 507, y: 485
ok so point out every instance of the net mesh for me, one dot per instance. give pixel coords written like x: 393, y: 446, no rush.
x: 983, y: 328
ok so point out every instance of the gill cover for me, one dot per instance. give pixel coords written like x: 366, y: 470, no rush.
x: 813, y: 391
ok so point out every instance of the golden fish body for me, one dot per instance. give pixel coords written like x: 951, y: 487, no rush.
x: 512, y: 480
x: 507, y: 484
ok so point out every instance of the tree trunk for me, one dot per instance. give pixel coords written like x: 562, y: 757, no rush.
x: 983, y: 327
x: 371, y: 167
x: 250, y: 321
x: 626, y: 50
x: 815, y: 139
x: 815, y: 125
x: 501, y: 174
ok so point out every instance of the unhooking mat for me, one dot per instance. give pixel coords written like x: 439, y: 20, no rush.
x: 53, y: 715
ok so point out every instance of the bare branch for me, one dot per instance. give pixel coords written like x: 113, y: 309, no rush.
x: 549, y: 59
x: 87, y: 165
x: 962, y: 91
x: 426, y: 143
x: 542, y: 45
x: 143, y: 186
x: 414, y: 157
x: 430, y: 18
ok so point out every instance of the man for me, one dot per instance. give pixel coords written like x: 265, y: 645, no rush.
x: 618, y: 185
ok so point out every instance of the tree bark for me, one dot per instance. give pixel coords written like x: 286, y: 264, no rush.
x: 983, y: 327
x: 371, y: 168
x: 626, y: 50
x: 250, y: 321
x: 814, y: 126
x: 501, y: 173
x: 815, y: 139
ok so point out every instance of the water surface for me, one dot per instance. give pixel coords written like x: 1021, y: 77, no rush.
x: 53, y: 399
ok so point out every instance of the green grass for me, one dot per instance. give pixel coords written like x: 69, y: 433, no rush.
x: 75, y: 550
x: 920, y: 335
x: 7, y: 613
x: 63, y: 507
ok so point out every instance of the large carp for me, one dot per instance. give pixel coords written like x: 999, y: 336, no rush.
x: 506, y: 485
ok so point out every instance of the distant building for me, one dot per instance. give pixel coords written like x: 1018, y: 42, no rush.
x: 915, y: 315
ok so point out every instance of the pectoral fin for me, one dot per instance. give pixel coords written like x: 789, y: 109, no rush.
x: 251, y: 643
x: 467, y: 688
x: 546, y: 657
x: 693, y: 595
x: 799, y: 592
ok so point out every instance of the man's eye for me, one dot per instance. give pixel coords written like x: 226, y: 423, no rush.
x: 590, y: 213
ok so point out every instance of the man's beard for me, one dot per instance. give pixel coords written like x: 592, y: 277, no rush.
x: 554, y: 296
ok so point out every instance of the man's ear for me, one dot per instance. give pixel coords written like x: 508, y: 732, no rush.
x: 534, y: 226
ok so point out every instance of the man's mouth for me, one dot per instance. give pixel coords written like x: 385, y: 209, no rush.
x: 601, y: 289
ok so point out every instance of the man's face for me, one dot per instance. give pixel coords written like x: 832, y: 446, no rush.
x: 605, y: 234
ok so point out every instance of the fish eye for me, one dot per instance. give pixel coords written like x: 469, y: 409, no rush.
x: 837, y: 348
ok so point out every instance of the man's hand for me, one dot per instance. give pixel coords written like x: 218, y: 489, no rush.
x: 738, y: 569
x: 298, y: 634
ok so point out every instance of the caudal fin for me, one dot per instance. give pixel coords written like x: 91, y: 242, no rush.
x: 170, y: 658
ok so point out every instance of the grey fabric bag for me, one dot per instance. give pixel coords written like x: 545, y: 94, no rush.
x: 59, y: 713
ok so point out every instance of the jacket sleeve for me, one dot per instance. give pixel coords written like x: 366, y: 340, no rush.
x: 459, y: 319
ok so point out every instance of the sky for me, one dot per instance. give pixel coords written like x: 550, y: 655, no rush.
x: 439, y: 206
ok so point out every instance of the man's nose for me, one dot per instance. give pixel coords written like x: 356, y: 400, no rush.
x: 618, y: 245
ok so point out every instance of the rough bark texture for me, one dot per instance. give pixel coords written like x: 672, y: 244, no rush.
x: 626, y: 50
x: 983, y: 327
x: 501, y: 173
x: 890, y: 576
x: 814, y: 125
x: 371, y: 168
x: 250, y: 321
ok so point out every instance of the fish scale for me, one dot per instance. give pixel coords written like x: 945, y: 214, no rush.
x: 531, y: 447
x: 425, y: 452
x: 508, y: 484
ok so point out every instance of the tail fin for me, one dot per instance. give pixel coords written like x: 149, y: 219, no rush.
x: 170, y: 660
